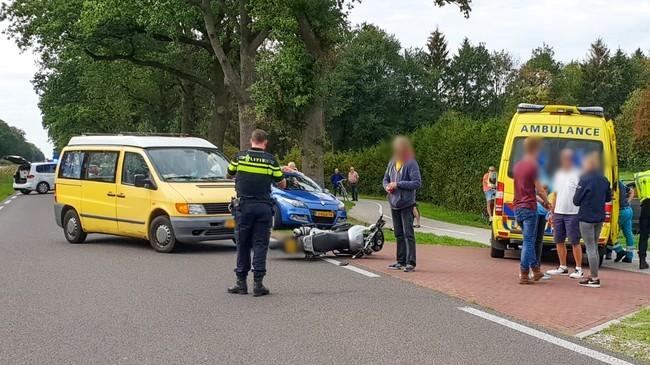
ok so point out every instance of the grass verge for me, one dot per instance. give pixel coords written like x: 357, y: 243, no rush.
x: 6, y: 187
x: 630, y: 337
x: 432, y: 211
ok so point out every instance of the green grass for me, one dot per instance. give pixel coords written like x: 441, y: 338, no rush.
x: 630, y: 337
x: 432, y: 211
x: 6, y: 188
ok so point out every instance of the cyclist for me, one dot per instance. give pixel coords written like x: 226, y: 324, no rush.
x: 489, y: 189
x: 336, y: 181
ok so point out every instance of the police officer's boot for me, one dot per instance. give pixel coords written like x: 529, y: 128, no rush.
x: 241, y: 287
x: 259, y: 289
x: 643, y: 264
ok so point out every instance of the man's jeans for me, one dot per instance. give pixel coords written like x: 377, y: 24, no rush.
x: 527, y: 219
x: 625, y: 223
x: 404, y: 235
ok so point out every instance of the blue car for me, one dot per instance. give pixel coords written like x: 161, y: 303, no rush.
x: 303, y: 202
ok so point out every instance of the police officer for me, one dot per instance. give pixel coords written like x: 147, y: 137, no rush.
x: 254, y: 170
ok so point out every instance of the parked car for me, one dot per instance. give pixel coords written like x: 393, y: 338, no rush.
x: 304, y: 202
x: 32, y: 176
x: 168, y: 190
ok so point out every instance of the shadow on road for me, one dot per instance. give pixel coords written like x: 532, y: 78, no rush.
x: 185, y: 248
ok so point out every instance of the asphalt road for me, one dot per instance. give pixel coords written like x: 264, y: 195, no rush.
x: 116, y: 301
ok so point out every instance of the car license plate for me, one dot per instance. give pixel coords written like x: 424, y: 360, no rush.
x: 230, y: 223
x: 324, y: 213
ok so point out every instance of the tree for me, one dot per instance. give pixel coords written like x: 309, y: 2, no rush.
x: 642, y: 124
x: 468, y: 80
x: 597, y: 78
x: 437, y: 56
x: 12, y: 142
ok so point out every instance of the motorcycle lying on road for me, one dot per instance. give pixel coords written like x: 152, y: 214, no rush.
x: 342, y: 240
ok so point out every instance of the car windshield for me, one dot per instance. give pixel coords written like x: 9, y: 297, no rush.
x: 549, y: 158
x: 302, y: 182
x: 189, y: 164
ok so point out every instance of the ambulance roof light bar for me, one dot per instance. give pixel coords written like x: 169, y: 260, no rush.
x: 593, y: 110
x: 560, y: 109
x: 529, y: 108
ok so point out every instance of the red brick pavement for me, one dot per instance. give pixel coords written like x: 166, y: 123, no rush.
x: 470, y: 274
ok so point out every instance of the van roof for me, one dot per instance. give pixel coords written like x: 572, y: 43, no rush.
x: 139, y: 141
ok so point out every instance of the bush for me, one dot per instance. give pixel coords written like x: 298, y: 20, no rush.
x: 453, y: 154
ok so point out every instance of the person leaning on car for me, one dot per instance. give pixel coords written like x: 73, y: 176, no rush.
x: 254, y: 171
x: 401, y: 180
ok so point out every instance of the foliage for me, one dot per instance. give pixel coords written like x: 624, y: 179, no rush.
x: 631, y: 336
x: 12, y: 142
x: 630, y: 135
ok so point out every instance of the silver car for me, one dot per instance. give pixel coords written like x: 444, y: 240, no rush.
x: 32, y: 176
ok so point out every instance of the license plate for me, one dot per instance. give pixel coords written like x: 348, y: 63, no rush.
x: 324, y: 213
x: 230, y: 223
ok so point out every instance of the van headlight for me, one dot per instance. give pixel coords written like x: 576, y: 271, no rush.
x: 295, y: 203
x: 191, y: 209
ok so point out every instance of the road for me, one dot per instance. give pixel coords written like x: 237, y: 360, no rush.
x: 367, y: 210
x: 115, y: 300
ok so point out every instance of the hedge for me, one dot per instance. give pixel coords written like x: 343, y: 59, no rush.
x: 453, y: 154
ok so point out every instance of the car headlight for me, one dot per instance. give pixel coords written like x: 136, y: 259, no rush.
x: 185, y: 208
x: 295, y: 203
x: 341, y: 205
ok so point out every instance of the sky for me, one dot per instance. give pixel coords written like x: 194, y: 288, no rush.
x: 516, y: 26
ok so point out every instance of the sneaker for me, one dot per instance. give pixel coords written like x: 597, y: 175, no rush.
x: 416, y: 226
x: 396, y: 266
x: 620, y: 255
x: 643, y: 264
x: 409, y: 268
x: 559, y: 271
x: 608, y: 256
x: 627, y: 260
x: 590, y: 283
x: 577, y: 274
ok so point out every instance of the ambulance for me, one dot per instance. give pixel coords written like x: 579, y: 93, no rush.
x: 582, y: 129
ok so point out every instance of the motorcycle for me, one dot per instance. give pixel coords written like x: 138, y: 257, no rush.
x: 343, y: 240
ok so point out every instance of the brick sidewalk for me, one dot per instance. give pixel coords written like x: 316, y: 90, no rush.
x: 470, y: 274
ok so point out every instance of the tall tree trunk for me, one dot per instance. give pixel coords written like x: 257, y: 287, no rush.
x: 221, y: 112
x: 188, y: 114
x: 313, y: 140
x: 246, y: 106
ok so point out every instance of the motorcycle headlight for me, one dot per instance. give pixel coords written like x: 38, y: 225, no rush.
x: 295, y: 203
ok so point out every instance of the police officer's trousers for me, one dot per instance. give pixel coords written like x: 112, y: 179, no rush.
x: 252, y: 232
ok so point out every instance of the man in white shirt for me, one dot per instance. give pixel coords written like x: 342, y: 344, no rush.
x: 565, y: 215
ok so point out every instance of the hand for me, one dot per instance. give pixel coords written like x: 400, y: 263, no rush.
x: 391, y: 187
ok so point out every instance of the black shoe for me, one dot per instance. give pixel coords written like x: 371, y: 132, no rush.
x: 409, y: 268
x: 396, y: 266
x: 590, y: 283
x: 643, y: 264
x: 240, y: 287
x: 627, y: 259
x: 259, y: 289
x: 608, y: 256
x: 620, y: 256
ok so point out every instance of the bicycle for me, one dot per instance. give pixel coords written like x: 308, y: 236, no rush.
x: 342, y: 189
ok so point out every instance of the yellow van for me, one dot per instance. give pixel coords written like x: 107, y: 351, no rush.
x: 582, y: 129
x: 167, y: 190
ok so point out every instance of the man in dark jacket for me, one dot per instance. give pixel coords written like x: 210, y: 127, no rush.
x: 336, y: 181
x: 401, y: 180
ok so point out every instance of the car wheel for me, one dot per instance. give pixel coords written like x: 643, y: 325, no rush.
x: 161, y: 235
x: 72, y: 228
x: 42, y: 187
x: 277, y: 217
x: 25, y: 191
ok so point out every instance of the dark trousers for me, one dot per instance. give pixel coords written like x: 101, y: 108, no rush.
x: 252, y: 232
x: 355, y: 194
x: 404, y: 235
x: 539, y: 240
x: 644, y: 232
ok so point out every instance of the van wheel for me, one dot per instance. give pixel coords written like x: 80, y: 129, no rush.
x: 42, y: 187
x: 25, y: 191
x: 72, y: 229
x: 161, y: 235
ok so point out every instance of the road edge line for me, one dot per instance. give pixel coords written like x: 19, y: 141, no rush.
x: 596, y: 355
x: 351, y: 268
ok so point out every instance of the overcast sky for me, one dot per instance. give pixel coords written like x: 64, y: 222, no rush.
x: 514, y: 25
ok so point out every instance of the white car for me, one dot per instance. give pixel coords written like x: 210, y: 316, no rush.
x: 33, y: 176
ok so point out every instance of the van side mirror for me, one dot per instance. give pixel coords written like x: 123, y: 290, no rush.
x: 141, y: 181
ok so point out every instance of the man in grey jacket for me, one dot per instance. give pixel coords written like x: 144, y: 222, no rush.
x: 401, y: 180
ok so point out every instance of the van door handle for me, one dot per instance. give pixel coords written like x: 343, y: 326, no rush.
x: 110, y: 194
x: 121, y: 195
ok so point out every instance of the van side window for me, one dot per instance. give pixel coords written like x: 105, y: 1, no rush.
x: 133, y: 165
x: 101, y: 166
x: 71, y: 164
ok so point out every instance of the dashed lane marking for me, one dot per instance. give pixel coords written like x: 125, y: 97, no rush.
x: 351, y: 268
x: 596, y: 355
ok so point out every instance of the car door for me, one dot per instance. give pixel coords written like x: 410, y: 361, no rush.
x: 99, y: 191
x: 50, y: 177
x: 133, y: 203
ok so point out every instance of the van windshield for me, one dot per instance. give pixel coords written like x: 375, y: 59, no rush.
x: 549, y: 158
x: 189, y: 164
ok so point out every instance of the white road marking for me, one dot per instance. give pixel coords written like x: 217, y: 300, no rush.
x: 602, y: 326
x: 1, y: 206
x: 351, y: 268
x: 8, y: 201
x: 13, y: 197
x: 434, y: 228
x: 607, y: 359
